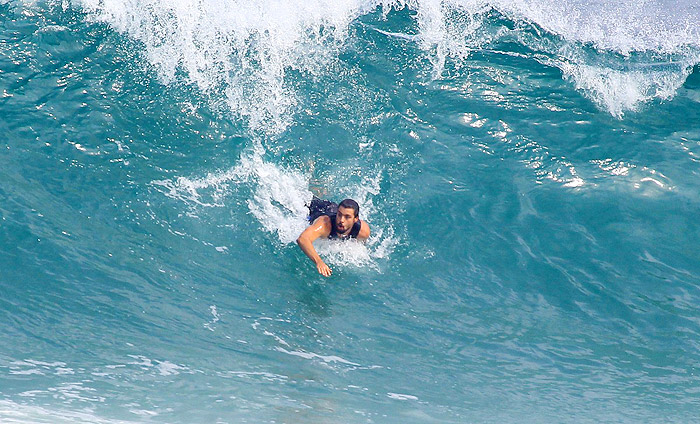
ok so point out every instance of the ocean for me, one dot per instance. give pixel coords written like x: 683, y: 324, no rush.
x: 530, y: 171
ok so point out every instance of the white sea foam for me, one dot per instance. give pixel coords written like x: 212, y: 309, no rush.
x: 240, y: 50
x: 242, y: 53
x: 400, y: 396
x: 209, y: 190
x: 277, y: 197
x: 279, y: 204
x: 15, y: 413
x: 654, y: 45
x: 619, y: 91
x: 622, y: 26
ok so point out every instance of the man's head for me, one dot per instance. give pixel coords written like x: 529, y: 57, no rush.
x: 347, y: 216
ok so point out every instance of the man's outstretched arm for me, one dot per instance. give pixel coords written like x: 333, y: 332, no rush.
x: 320, y: 228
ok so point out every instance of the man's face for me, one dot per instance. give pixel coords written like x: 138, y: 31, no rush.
x: 345, y: 219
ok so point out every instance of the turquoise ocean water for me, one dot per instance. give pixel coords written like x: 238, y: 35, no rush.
x: 530, y: 170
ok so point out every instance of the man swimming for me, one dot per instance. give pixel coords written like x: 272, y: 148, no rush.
x: 331, y: 221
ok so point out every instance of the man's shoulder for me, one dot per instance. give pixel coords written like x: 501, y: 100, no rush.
x: 325, y: 219
x: 326, y: 222
x: 364, y: 230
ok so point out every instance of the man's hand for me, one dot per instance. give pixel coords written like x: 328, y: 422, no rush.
x: 323, y: 269
x: 320, y: 228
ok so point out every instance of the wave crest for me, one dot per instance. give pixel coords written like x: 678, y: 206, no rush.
x: 248, y: 56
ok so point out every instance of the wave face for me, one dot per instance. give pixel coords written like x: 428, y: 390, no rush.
x: 246, y: 54
x: 529, y: 170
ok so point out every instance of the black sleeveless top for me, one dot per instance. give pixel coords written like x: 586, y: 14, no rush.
x: 319, y: 207
x: 354, y: 231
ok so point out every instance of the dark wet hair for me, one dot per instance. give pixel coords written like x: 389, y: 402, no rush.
x: 349, y: 203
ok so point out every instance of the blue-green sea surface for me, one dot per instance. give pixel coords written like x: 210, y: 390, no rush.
x: 530, y: 171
